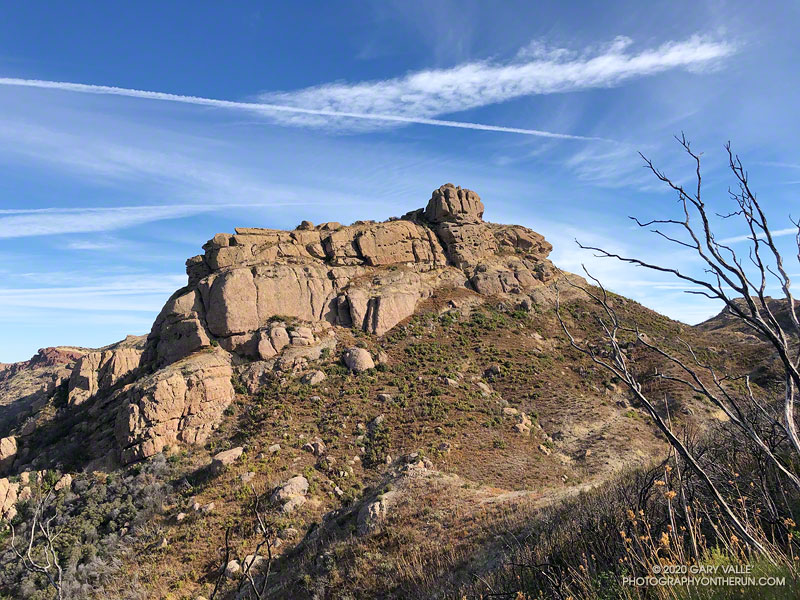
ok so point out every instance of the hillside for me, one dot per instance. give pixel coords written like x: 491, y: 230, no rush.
x: 397, y: 398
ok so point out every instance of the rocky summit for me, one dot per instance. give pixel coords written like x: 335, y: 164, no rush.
x: 173, y: 387
x: 368, y: 275
x: 381, y: 394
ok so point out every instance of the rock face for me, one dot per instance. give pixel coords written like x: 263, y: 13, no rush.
x: 100, y: 370
x: 8, y: 498
x: 367, y: 275
x: 180, y: 403
x: 8, y: 452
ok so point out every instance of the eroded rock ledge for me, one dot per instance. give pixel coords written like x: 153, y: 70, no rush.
x: 367, y: 275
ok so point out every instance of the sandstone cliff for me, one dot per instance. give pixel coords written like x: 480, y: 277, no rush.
x: 367, y: 275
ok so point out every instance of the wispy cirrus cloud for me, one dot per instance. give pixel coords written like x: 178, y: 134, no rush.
x: 745, y: 237
x: 418, y: 97
x: 536, y: 70
x: 118, y: 293
x: 16, y: 223
x: 277, y: 112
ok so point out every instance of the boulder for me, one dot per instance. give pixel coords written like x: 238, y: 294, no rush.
x: 316, y: 447
x: 279, y: 338
x: 451, y: 203
x: 358, y: 359
x: 296, y: 486
x: 227, y: 457
x: 232, y: 568
x: 485, y: 388
x: 523, y: 424
x: 65, y: 483
x: 292, y: 504
x: 254, y: 562
x: 313, y: 378
x: 8, y: 452
x: 182, y: 402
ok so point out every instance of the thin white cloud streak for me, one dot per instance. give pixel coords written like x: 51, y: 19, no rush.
x: 477, y: 84
x: 136, y: 294
x: 744, y: 238
x: 266, y: 109
x: 56, y: 221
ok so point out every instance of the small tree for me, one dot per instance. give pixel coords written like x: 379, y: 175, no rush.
x: 254, y: 576
x: 37, y: 552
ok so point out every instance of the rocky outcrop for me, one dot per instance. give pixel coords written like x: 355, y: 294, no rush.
x: 272, y: 296
x: 367, y: 275
x: 26, y: 387
x: 8, y: 452
x: 451, y: 203
x: 100, y: 370
x: 179, y: 403
x: 8, y: 498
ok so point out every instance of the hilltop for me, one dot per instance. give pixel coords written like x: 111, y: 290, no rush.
x: 399, y: 394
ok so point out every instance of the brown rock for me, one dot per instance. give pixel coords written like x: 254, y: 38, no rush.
x: 8, y: 498
x: 180, y: 403
x: 358, y: 359
x: 178, y: 330
x: 98, y: 371
x: 451, y: 203
x: 230, y: 300
x: 227, y: 457
x: 373, y: 513
x: 313, y: 378
x: 279, y: 338
x: 65, y: 483
x: 367, y: 275
x: 294, y: 487
x: 8, y: 452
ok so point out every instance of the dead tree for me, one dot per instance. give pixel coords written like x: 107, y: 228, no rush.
x: 254, y: 576
x: 38, y: 554
x: 741, y: 285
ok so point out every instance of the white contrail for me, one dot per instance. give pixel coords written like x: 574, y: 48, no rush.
x: 266, y: 108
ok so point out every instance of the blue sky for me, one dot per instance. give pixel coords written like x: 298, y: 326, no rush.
x: 130, y: 134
